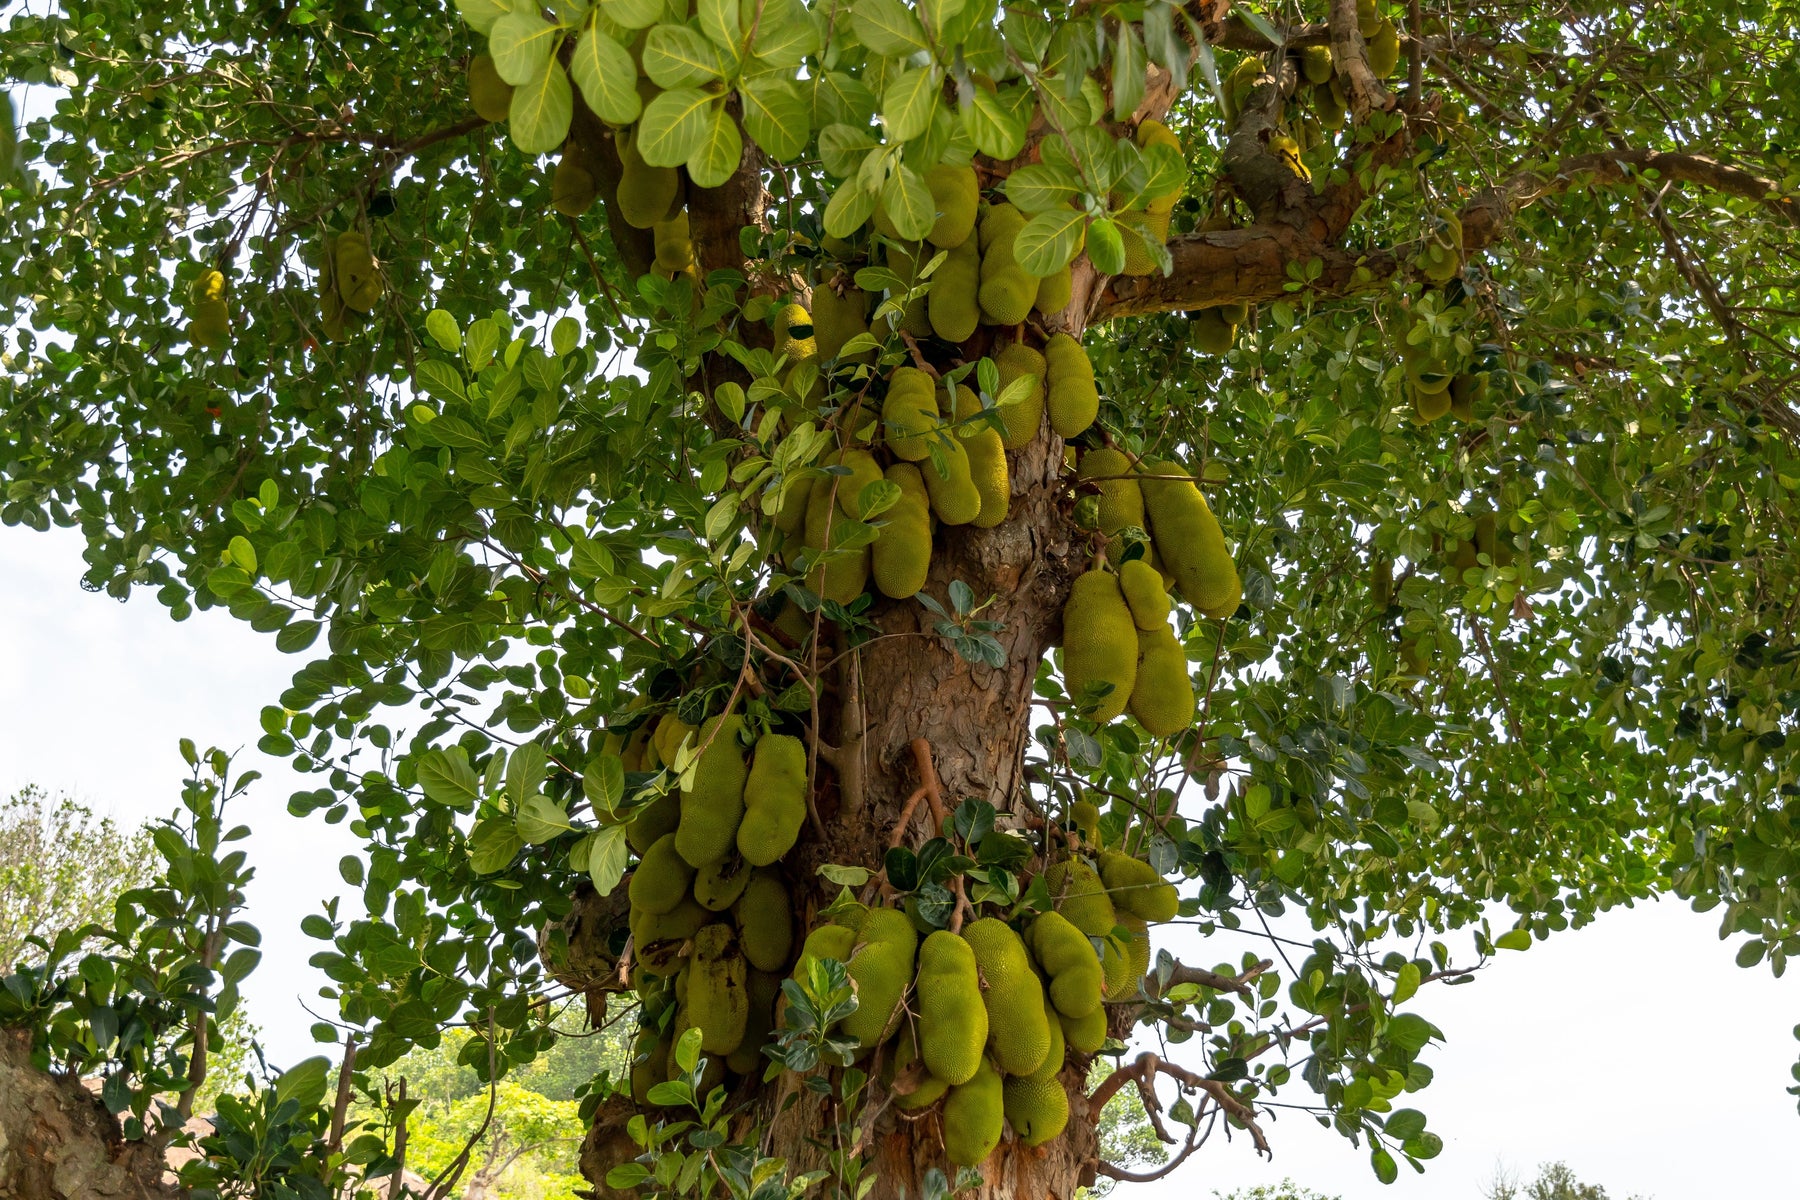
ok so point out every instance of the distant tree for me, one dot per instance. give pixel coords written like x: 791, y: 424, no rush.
x: 1555, y: 1181
x: 61, y: 867
x: 524, y: 1150
x: 1287, y: 1189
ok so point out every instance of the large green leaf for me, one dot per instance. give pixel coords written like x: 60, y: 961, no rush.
x: 721, y: 148
x: 908, y: 203
x: 541, y: 111
x: 994, y: 127
x: 775, y: 115
x: 674, y: 127
x: 908, y: 103
x: 887, y: 27
x: 1049, y: 241
x: 679, y: 56
x: 607, y: 77
x: 522, y: 43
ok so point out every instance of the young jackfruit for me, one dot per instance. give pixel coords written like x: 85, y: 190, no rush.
x: 842, y: 577
x: 661, y: 880
x: 674, y: 245
x: 794, y: 333
x: 649, y: 1065
x: 652, y: 821
x: 1067, y: 956
x: 1121, y: 501
x: 774, y: 799
x: 1073, y: 399
x: 909, y: 413
x: 1466, y: 391
x: 1052, y: 1065
x: 1384, y: 50
x: 712, y: 808
x: 666, y: 741
x: 717, y: 1002
x: 974, y: 1117
x: 358, y: 276
x: 1099, y: 644
x: 1054, y: 291
x: 951, y: 300
x: 955, y: 496
x: 863, y: 469
x: 658, y: 938
x: 1137, y: 230
x: 1136, y: 889
x: 1080, y: 897
x: 881, y: 967
x: 987, y: 460
x: 1125, y: 966
x: 839, y: 316
x: 1162, y: 697
x: 953, y: 1021
x: 573, y: 188
x: 927, y: 1088
x: 210, y: 325
x: 1143, y: 588
x: 1018, y: 1032
x: 765, y: 922
x: 1315, y: 64
x: 646, y: 194
x: 1017, y: 361
x: 906, y: 262
x: 1086, y: 817
x: 836, y: 942
x: 1211, y: 332
x: 1007, y: 290
x: 1037, y: 1109
x: 1085, y: 1034
x: 1189, y: 540
x: 490, y: 95
x: 901, y: 558
x: 718, y: 885
x: 956, y: 193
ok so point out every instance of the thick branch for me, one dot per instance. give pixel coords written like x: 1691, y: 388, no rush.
x: 1351, y: 60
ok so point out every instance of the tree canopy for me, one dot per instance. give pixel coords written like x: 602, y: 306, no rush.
x: 953, y: 476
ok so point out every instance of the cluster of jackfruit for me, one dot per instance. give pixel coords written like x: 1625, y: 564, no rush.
x: 209, y: 319
x: 1491, y: 537
x: 350, y: 282
x: 1439, y: 379
x: 1138, y: 227
x: 711, y: 917
x: 1117, y: 634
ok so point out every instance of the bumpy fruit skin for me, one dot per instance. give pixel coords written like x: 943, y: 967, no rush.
x: 490, y: 95
x: 953, y: 1020
x: 1143, y: 588
x: 717, y: 1002
x: 1466, y: 390
x: 1162, y: 698
x: 835, y: 942
x: 764, y: 989
x: 573, y: 187
x: 909, y: 413
x: 718, y: 885
x: 652, y: 821
x: 666, y: 741
x: 906, y: 262
x: 957, y: 194
x: 843, y: 577
x: 955, y: 497
x: 1007, y: 290
x: 881, y: 967
x: 765, y: 922
x: 1189, y: 539
x: 1018, y: 1033
x: 864, y: 470
x: 974, y: 1117
x: 1121, y: 501
x: 987, y: 460
x: 1073, y: 399
x: 711, y: 810
x: 1023, y: 417
x: 1080, y: 897
x: 358, y: 277
x: 1037, y: 1109
x: 1136, y: 889
x: 774, y: 799
x: 646, y: 194
x: 1054, y: 291
x: 901, y: 558
x: 1085, y: 1035
x: 1067, y: 956
x: 674, y: 245
x: 1099, y: 643
x: 658, y: 938
x: 1315, y: 64
x: 930, y: 1089
x: 951, y: 300
x: 1137, y: 230
x: 1086, y: 817
x: 1125, y: 967
x: 1384, y: 50
x: 1211, y: 332
x: 661, y: 880
x: 793, y: 333
x: 838, y: 317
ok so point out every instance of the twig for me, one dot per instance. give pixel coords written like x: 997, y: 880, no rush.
x: 341, y: 1106
x: 906, y: 812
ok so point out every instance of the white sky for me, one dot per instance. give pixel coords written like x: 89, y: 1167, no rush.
x: 1635, y: 1050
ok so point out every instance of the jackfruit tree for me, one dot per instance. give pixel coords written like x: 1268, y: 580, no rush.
x: 943, y: 564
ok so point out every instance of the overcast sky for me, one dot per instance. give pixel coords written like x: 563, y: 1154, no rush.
x: 1634, y: 1050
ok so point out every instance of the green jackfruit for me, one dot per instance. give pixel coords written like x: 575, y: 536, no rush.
x: 955, y: 497
x: 774, y: 799
x: 649, y: 1065
x: 1190, y: 542
x: 1211, y: 332
x: 1037, y: 1109
x: 1073, y: 399
x: 1018, y: 1034
x: 974, y: 1118
x: 1086, y: 816
x: 662, y: 878
x: 1121, y: 501
x: 1007, y: 291
x: 1099, y: 643
x: 1136, y: 889
x: 670, y: 732
x: 953, y: 1021
x: 490, y: 95
x: 765, y: 922
x: 1162, y: 697
x: 1125, y: 966
x: 927, y: 1088
x: 1315, y: 64
x: 763, y: 990
x: 1067, y: 956
x: 1328, y: 103
x: 1466, y: 391
x: 1054, y: 291
x: 653, y: 820
x: 1384, y: 50
x: 1018, y: 361
x: 881, y: 967
x: 657, y: 938
x: 864, y: 470
x: 358, y: 276
x: 718, y: 1003
x: 909, y: 413
x: 987, y: 460
x: 674, y: 245
x: 839, y: 316
x: 827, y: 941
x: 711, y: 810
x: 842, y: 577
x: 901, y: 558
x: 718, y: 885
x: 1368, y: 18
x: 1138, y: 230
x: 951, y: 301
x: 1085, y: 1034
x: 794, y: 333
x: 906, y: 262
x: 1052, y: 1065
x: 646, y: 194
x: 790, y: 517
x: 956, y: 194
x: 573, y: 187
x: 1079, y: 896
x: 1143, y: 588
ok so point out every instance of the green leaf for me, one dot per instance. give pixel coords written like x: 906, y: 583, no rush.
x: 521, y: 43
x: 1105, y: 249
x: 448, y: 779
x: 908, y: 203
x: 296, y: 636
x: 938, y: 12
x: 849, y: 209
x: 493, y: 844
x: 678, y: 56
x: 887, y: 27
x: 480, y: 15
x: 842, y: 148
x: 440, y: 379
x: 1751, y: 953
x: 304, y: 1083
x: 541, y: 819
x: 1404, y: 1124
x: 525, y: 771
x: 687, y: 1051
x: 242, y: 553
x: 674, y: 126
x: 480, y: 342
x: 564, y: 335
x: 1406, y: 984
x: 633, y: 14
x: 1040, y: 187
x: 1049, y: 241
x: 603, y: 783
x: 541, y: 111
x: 775, y: 115
x: 627, y: 1175
x: 907, y: 105
x: 996, y: 129
x: 1383, y: 1163
x: 1127, y: 72
x: 721, y: 150
x: 1410, y: 1032
x: 1514, y: 939
x: 719, y: 21
x: 443, y: 330
x: 785, y: 35
x: 607, y: 77
x: 608, y: 854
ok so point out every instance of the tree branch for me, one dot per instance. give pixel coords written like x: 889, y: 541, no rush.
x: 1350, y: 59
